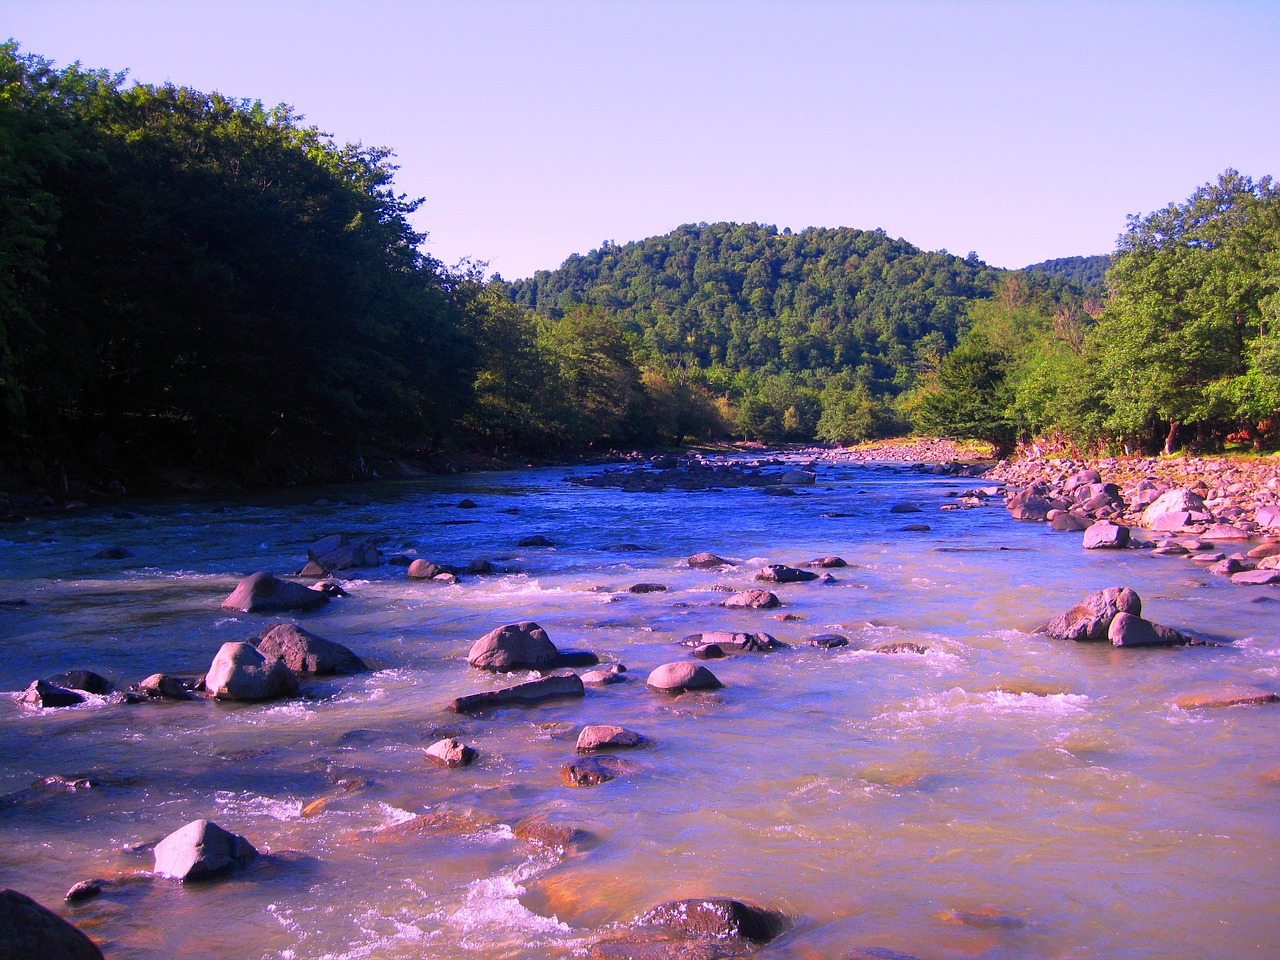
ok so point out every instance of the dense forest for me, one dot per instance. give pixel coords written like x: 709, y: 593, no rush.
x: 192, y: 281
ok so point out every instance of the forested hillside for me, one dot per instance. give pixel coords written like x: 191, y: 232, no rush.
x: 1087, y: 273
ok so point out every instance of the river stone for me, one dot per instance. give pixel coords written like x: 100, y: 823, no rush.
x: 1256, y: 578
x: 202, y: 850
x: 43, y: 694
x: 29, y: 931
x: 603, y: 678
x: 1105, y: 535
x: 752, y: 599
x: 424, y: 570
x: 1182, y: 506
x: 163, y: 686
x: 781, y: 573
x: 647, y: 588
x: 1227, y: 531
x: 339, y: 552
x: 262, y: 593
x: 592, y: 771
x: 680, y: 676
x: 794, y: 478
x: 1126, y: 630
x: 451, y: 753
x: 555, y: 686
x: 304, y: 652
x: 84, y: 890
x: 541, y: 829
x: 827, y: 641
x: 1068, y: 523
x: 715, y: 918
x: 537, y: 541
x: 1227, y: 567
x: 1091, y: 617
x: 1263, y: 550
x: 906, y: 508
x: 240, y: 672
x: 902, y: 646
x: 1230, y: 695
x: 706, y: 561
x: 735, y: 642
x: 85, y: 680
x: 515, y: 646
x: 1268, y: 518
x: 604, y: 736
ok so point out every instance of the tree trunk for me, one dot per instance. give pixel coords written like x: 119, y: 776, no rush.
x: 1171, y: 441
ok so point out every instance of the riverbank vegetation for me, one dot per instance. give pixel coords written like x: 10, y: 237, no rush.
x: 194, y: 282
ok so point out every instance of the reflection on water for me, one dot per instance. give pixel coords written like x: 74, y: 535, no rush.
x: 978, y: 790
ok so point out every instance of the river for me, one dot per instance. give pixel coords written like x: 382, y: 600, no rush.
x: 1000, y: 795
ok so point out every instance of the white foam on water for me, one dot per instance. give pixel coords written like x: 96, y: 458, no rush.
x: 958, y: 703
x: 492, y: 911
x: 255, y: 805
x: 393, y: 815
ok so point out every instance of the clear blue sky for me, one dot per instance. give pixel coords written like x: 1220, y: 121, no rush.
x: 1020, y: 130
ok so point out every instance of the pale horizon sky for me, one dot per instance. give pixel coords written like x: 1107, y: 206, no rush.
x: 1020, y: 130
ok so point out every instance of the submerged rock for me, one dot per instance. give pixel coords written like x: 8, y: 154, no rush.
x: 522, y: 694
x: 29, y: 931
x: 734, y: 642
x: 827, y: 641
x: 715, y: 918
x: 781, y: 573
x: 706, y: 561
x: 591, y: 771
x: 680, y: 676
x: 202, y: 850
x: 1230, y: 695
x: 752, y: 599
x: 304, y: 652
x: 262, y: 593
x: 240, y: 672
x: 339, y: 552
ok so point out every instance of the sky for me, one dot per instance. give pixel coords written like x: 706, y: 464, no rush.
x: 1022, y: 130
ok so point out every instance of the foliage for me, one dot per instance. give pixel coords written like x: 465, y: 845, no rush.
x: 1087, y: 273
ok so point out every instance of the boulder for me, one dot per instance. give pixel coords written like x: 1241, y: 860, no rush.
x: 1227, y: 567
x: 339, y: 552
x: 240, y: 672
x: 29, y: 931
x: 605, y: 736
x: 43, y: 694
x: 304, y: 652
x: 680, y: 676
x: 1268, y: 518
x: 796, y: 478
x: 480, y: 566
x: 591, y: 771
x: 1033, y: 508
x: 1127, y: 630
x: 552, y: 687
x: 906, y: 508
x: 647, y: 588
x: 1091, y: 617
x: 1105, y: 535
x: 828, y: 562
x: 706, y: 561
x: 1256, y: 578
x: 202, y: 850
x: 83, y: 890
x: 451, y: 753
x: 85, y: 680
x: 1068, y: 523
x: 262, y: 593
x: 715, y: 918
x: 424, y: 570
x: 781, y: 573
x: 901, y: 646
x: 537, y: 541
x: 163, y: 686
x: 735, y: 642
x: 515, y: 646
x: 1174, y: 509
x: 1227, y: 531
x: 752, y: 599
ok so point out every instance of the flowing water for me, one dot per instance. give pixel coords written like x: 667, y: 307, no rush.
x: 1001, y: 795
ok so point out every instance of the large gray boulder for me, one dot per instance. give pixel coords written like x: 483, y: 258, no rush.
x: 202, y: 850
x: 1176, y: 503
x: 42, y: 694
x: 516, y: 646
x: 706, y: 561
x: 262, y: 593
x: 606, y: 736
x: 752, y: 600
x: 304, y: 652
x: 240, y: 672
x: 1091, y: 617
x: 1127, y: 630
x: 681, y: 676
x: 1105, y: 535
x: 29, y: 931
x: 781, y: 573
